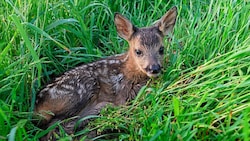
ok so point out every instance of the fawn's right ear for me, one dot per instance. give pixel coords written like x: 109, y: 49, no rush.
x: 124, y: 27
x: 167, y: 22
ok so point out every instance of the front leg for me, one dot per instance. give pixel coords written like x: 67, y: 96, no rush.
x: 72, y: 125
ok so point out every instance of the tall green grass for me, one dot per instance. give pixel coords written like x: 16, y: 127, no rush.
x: 203, y: 93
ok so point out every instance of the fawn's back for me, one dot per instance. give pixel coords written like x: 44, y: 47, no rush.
x: 115, y: 80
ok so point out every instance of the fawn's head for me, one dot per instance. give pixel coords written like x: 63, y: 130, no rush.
x: 146, y: 44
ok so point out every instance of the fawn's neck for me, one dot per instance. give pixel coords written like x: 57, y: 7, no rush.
x: 131, y: 71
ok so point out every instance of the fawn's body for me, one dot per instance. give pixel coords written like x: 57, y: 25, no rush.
x: 86, y: 89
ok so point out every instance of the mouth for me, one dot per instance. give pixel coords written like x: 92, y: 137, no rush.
x: 153, y: 75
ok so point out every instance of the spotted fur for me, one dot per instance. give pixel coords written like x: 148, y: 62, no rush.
x: 115, y: 80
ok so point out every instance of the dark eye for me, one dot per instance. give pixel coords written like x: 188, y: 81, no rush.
x: 138, y: 52
x: 161, y: 50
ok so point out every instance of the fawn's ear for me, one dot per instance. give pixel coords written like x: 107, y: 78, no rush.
x: 124, y: 27
x: 167, y: 22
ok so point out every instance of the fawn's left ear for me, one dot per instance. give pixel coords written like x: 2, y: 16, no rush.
x: 167, y: 22
x: 124, y: 27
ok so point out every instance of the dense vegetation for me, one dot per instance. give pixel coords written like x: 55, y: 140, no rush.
x: 203, y: 94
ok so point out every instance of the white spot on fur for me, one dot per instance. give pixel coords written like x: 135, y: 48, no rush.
x: 112, y: 61
x: 103, y: 61
x: 90, y: 68
x: 116, y: 79
x: 52, y: 93
x: 105, y: 66
x: 57, y: 93
x: 96, y: 73
x: 117, y: 61
x: 69, y: 87
x: 81, y: 92
x: 118, y: 55
x: 82, y: 88
x: 100, y: 70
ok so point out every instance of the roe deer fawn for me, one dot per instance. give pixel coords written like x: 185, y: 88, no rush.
x: 86, y: 89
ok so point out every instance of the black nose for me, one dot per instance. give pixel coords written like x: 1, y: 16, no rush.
x: 154, y: 69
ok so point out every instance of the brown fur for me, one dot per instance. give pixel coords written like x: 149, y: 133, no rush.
x: 86, y: 89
